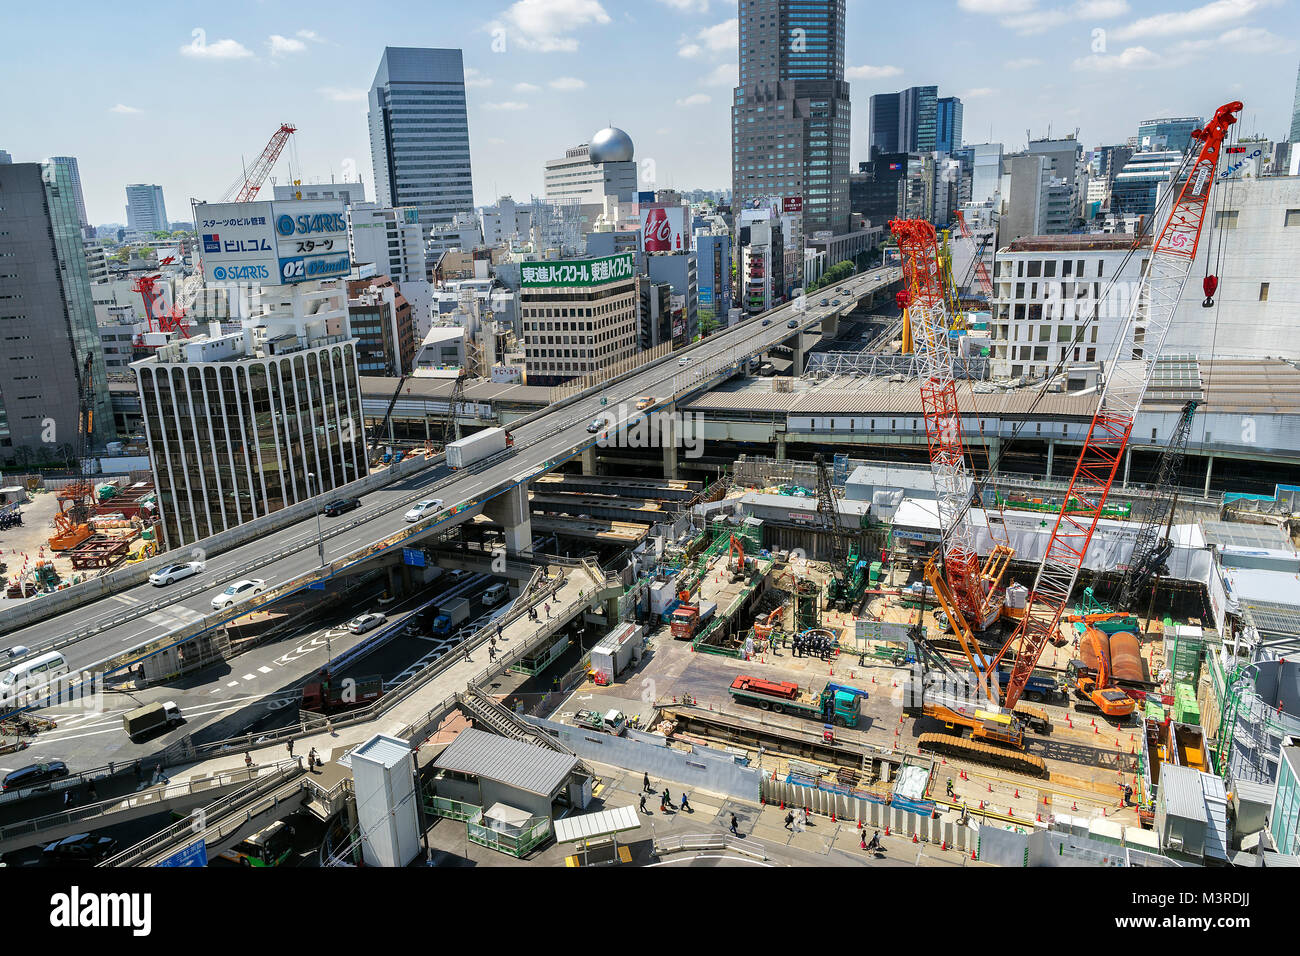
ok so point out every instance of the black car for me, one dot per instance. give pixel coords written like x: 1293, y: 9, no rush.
x: 341, y: 506
x: 792, y: 324
x: 34, y: 774
x: 80, y: 849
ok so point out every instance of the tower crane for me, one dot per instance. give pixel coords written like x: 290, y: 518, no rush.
x: 980, y: 606
x: 977, y: 262
x: 1155, y: 301
x: 244, y: 189
x: 157, y: 320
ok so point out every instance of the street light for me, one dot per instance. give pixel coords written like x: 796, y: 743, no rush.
x: 320, y: 549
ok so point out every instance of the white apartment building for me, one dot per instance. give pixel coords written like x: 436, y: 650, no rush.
x: 505, y: 222
x: 391, y: 239
x: 1045, y: 293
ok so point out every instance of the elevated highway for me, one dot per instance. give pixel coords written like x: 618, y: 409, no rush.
x: 110, y: 628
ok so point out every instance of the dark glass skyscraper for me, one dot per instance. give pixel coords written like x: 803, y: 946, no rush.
x: 790, y: 114
x: 947, y: 131
x: 909, y: 122
x: 419, y: 133
x: 884, y: 124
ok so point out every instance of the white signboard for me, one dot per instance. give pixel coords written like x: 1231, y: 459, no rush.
x: 273, y: 242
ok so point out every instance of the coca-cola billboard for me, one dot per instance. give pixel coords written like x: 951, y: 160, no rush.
x: 663, y: 229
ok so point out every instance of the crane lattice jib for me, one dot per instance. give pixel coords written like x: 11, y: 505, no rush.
x: 918, y: 246
x: 1155, y: 300
x: 986, y: 283
x: 262, y: 168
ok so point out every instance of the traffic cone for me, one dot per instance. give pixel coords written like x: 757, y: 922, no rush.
x: 1038, y: 817
x: 1075, y: 806
x: 914, y: 839
x: 886, y: 829
x: 1017, y: 793
x: 782, y: 804
x: 859, y: 824
x: 990, y: 788
x: 1011, y: 811
x: 944, y: 845
x: 832, y: 816
x: 972, y: 854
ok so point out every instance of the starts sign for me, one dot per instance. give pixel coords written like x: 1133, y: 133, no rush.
x: 274, y: 242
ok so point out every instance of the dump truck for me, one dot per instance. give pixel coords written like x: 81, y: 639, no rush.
x: 476, y: 447
x: 451, y: 615
x: 834, y: 704
x: 613, y: 722
x: 150, y: 717
x: 329, y: 696
x: 688, y: 619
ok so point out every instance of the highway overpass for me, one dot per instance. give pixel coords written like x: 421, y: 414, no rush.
x: 112, y: 627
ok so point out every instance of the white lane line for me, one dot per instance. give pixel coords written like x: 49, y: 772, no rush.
x: 215, y: 690
x: 264, y: 670
x: 249, y: 677
x: 233, y: 683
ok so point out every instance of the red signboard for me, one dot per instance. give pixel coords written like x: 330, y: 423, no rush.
x: 664, y: 229
x: 792, y: 204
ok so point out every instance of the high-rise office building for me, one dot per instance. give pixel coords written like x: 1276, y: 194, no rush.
x: 48, y: 318
x: 1295, y: 112
x: 419, y: 133
x: 986, y: 171
x: 947, y: 129
x: 1170, y: 132
x: 69, y: 163
x: 145, y: 211
x: 918, y: 119
x: 790, y: 115
x: 884, y: 124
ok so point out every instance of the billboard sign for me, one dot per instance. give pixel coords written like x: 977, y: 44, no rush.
x: 577, y: 272
x: 705, y: 294
x: 274, y: 242
x: 792, y: 204
x: 663, y: 229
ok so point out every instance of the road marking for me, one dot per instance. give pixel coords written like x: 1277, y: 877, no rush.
x: 215, y: 690
x: 233, y: 683
x: 249, y: 677
x: 264, y: 669
x: 124, y: 599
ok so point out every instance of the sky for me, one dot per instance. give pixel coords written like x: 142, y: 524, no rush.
x: 184, y: 94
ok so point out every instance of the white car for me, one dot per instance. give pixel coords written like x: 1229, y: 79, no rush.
x: 495, y: 595
x: 422, y: 509
x: 175, y: 572
x: 366, y: 622
x: 237, y: 592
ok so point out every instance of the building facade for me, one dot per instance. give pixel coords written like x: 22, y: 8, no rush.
x: 47, y: 319
x: 382, y: 323
x: 790, y: 115
x: 392, y: 240
x: 884, y: 124
x: 419, y: 133
x: 1138, y: 186
x: 1046, y: 293
x: 578, y: 316
x: 350, y: 193
x: 1284, y: 816
x: 1294, y: 137
x: 69, y: 164
x: 145, y: 210
x: 1170, y: 132
x: 243, y: 425
x: 713, y: 254
x: 947, y: 126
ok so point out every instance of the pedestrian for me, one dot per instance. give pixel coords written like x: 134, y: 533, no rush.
x: 547, y: 605
x: 311, y: 760
x: 789, y: 820
x: 158, y: 774
x: 91, y: 794
x: 645, y: 785
x: 735, y: 824
x: 498, y: 630
x: 663, y: 802
x: 492, y: 653
x: 668, y: 796
x: 67, y: 798
x: 643, y: 808
x: 248, y: 759
x: 685, y: 805
x: 290, y: 746
x: 950, y: 793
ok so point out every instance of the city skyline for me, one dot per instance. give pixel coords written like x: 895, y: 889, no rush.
x: 544, y: 74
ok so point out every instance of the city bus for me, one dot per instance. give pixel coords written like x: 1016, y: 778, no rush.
x: 267, y: 847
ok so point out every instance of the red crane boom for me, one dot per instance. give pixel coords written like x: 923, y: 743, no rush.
x: 245, y: 188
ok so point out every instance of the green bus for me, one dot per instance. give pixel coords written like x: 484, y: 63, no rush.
x: 269, y: 847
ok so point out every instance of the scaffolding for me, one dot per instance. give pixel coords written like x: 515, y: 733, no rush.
x: 877, y: 364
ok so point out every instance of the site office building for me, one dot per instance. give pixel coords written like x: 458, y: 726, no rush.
x: 579, y: 316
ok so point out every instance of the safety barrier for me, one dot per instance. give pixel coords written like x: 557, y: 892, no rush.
x: 698, y: 842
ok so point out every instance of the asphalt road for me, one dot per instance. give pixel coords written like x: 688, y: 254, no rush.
x: 539, y: 446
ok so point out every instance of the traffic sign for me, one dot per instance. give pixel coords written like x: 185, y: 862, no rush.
x: 413, y: 556
x: 196, y: 854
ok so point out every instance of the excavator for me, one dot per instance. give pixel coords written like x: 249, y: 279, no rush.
x: 1093, y: 686
x: 737, y: 547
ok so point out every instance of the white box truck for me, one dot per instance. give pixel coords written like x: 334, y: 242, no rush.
x: 616, y: 650
x: 476, y: 447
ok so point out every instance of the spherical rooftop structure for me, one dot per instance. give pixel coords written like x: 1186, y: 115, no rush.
x: 610, y: 145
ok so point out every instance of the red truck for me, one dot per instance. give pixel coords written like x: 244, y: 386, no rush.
x: 328, y: 696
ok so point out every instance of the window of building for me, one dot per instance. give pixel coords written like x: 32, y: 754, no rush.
x: 1049, y: 269
x: 1225, y: 218
x: 1263, y: 292
x: 1293, y: 217
x: 1035, y: 269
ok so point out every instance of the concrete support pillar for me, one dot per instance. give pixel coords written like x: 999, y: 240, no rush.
x: 1051, y: 448
x: 800, y: 357
x: 668, y: 437
x: 831, y: 326
x: 1209, y: 470
x: 589, y: 461
x: 995, y: 449
x: 510, y: 510
x: 1128, y: 463
x: 780, y: 446
x: 395, y: 578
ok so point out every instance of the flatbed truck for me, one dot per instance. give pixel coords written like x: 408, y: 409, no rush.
x: 833, y: 704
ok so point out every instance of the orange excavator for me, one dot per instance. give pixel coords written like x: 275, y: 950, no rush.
x: 767, y: 625
x: 737, y: 548
x: 1093, y: 685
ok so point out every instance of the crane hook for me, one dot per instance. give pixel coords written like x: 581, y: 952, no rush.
x: 1209, y: 284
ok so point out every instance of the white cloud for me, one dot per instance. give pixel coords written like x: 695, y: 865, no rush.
x: 1211, y: 16
x: 1133, y: 58
x: 690, y: 51
x: 545, y: 25
x: 721, y: 37
x: 688, y: 6
x: 871, y: 72
x: 526, y: 88
x: 695, y: 99
x: 1256, y: 40
x: 1027, y: 17
x: 341, y: 95
x: 979, y: 92
x: 283, y: 45
x: 217, y: 50
x: 1023, y: 63
x: 475, y: 77
x: 508, y: 105
x: 724, y: 74
x: 996, y: 7
x: 123, y: 108
x: 311, y: 35
x: 567, y: 83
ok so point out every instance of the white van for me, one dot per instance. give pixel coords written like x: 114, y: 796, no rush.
x: 30, y: 675
x: 495, y: 595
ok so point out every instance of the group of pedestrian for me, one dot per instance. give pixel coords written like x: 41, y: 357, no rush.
x: 812, y: 645
x: 665, y: 798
